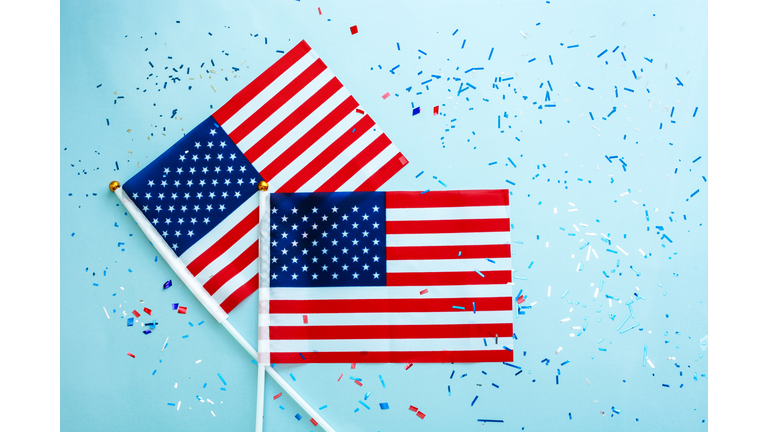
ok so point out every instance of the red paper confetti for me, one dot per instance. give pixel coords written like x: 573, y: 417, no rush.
x: 436, y: 111
x: 131, y: 355
x: 424, y: 291
x: 359, y: 111
x: 277, y: 395
x: 182, y: 309
x: 305, y: 319
x: 385, y: 95
x: 409, y: 366
x: 413, y: 408
x: 353, y: 365
x: 520, y: 299
x: 148, y: 311
x: 319, y: 11
x: 353, y: 29
x: 339, y: 377
x: 358, y: 383
x: 421, y: 415
x: 314, y: 423
x: 136, y: 314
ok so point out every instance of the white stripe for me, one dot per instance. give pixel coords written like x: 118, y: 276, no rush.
x: 269, y: 92
x: 452, y: 239
x: 221, y: 229
x: 370, y: 168
x: 236, y: 282
x: 447, y: 265
x: 300, y: 130
x: 230, y: 255
x: 447, y: 213
x: 284, y: 111
x: 345, y: 293
x: 400, y: 318
x: 318, y: 147
x: 362, y: 141
x: 358, y: 345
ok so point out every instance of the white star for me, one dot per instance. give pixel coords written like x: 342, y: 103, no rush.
x: 206, y: 221
x: 155, y: 221
x: 229, y: 168
x: 224, y: 194
x: 344, y: 267
x: 165, y: 233
x: 325, y: 268
x: 178, y: 234
x: 190, y: 233
x: 325, y: 251
x: 222, y: 144
x: 274, y: 227
x: 335, y: 276
x: 355, y: 275
x: 375, y: 208
x: 274, y: 259
x: 202, y: 182
x: 212, y: 195
x: 192, y: 170
x: 375, y: 275
x: 304, y: 268
x: 344, y: 250
x: 365, y: 217
x: 375, y: 242
x: 375, y: 225
x: 196, y: 208
x: 207, y: 157
x: 181, y: 158
x: 163, y: 183
x: 285, y: 235
x: 221, y: 207
x: 219, y: 156
x: 174, y: 196
x: 181, y: 220
x: 294, y: 243
x: 166, y: 170
x: 237, y: 194
x: 167, y: 221
x: 304, y: 218
x: 325, y: 218
x: 213, y: 132
x: 335, y: 225
x: 209, y: 207
x: 354, y: 225
x: 274, y: 276
x: 294, y: 210
x: 284, y: 251
x: 189, y: 182
x: 151, y: 183
x: 365, y: 233
x: 344, y: 234
x: 179, y: 171
x: 135, y: 195
x: 314, y: 226
x: 314, y: 276
x: 285, y: 218
x: 314, y: 242
x: 334, y: 209
x: 197, y: 145
x: 294, y: 276
x: 240, y: 183
x: 365, y: 266
x: 354, y: 209
x: 365, y: 250
x: 335, y: 259
x: 354, y: 242
x: 227, y: 182
x: 193, y: 221
x: 214, y: 182
x: 145, y: 209
x: 274, y: 210
x: 158, y: 208
x: 205, y: 170
x: 334, y: 242
x: 314, y: 209
x: 344, y: 217
x: 171, y: 209
x: 324, y: 234
x: 242, y: 168
x: 274, y: 244
x: 314, y: 260
x: 375, y: 258
x: 210, y: 144
x: 304, y: 251
x: 175, y: 246
x: 217, y: 169
x: 161, y: 196
x: 285, y: 268
x: 194, y: 158
x: 294, y: 227
x: 304, y: 235
x: 355, y: 258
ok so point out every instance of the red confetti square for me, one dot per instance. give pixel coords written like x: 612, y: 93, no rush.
x: 353, y: 29
x: 413, y: 408
x: 277, y: 395
x: 520, y: 299
x: 306, y: 320
x: 354, y: 365
x: 314, y: 423
x: 436, y: 111
x: 421, y: 415
x: 148, y: 311
x: 136, y: 314
x: 182, y: 309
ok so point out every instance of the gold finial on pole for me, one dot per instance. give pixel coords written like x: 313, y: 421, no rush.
x: 263, y: 186
x: 114, y: 185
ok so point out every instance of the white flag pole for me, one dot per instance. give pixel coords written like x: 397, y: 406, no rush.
x: 207, y: 301
x: 263, y: 293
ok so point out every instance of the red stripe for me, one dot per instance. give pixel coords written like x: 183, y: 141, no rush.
x: 241, y: 294
x: 498, y: 355
x: 449, y: 278
x: 261, y: 82
x: 384, y: 173
x: 232, y: 269
x: 390, y: 305
x: 293, y: 119
x: 355, y: 164
x: 448, y: 198
x: 308, y: 139
x: 448, y: 252
x: 224, y: 243
x: 272, y: 105
x: 448, y: 226
x: 327, y: 155
x: 439, y: 331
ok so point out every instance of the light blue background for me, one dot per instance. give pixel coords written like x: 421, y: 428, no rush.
x: 111, y: 44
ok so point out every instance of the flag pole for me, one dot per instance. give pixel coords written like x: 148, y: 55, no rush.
x: 207, y: 301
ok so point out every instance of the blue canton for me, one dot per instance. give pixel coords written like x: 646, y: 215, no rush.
x: 193, y: 185
x: 328, y: 239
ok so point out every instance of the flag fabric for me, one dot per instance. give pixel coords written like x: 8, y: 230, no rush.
x: 384, y: 277
x: 294, y: 126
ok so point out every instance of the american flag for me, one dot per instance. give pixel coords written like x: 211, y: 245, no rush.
x: 294, y: 126
x: 383, y: 277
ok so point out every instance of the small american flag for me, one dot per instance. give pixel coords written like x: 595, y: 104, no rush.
x: 294, y: 126
x: 384, y: 277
